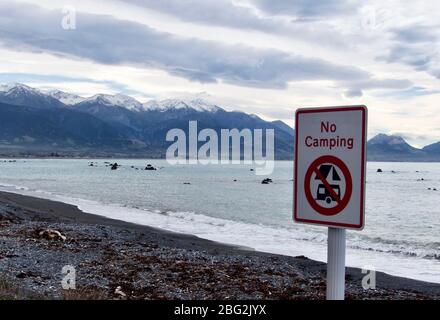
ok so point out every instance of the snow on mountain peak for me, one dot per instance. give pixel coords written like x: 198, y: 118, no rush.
x: 200, y: 102
x: 6, y: 87
x: 197, y: 104
x: 389, y: 139
x: 66, y: 98
x: 17, y: 88
x: 117, y: 100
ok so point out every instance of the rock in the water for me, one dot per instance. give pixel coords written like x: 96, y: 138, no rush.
x: 51, y: 234
x: 266, y: 181
x: 379, y: 170
x: 150, y: 167
x: 115, y: 166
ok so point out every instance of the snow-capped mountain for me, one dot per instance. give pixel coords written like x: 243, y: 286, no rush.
x: 16, y: 89
x: 117, y: 109
x: 117, y: 100
x: 119, y: 121
x: 391, y: 147
x: 4, y: 88
x: 393, y: 140
x: 20, y: 94
x: 196, y: 104
x: 68, y: 99
x: 116, y: 121
x: 23, y: 95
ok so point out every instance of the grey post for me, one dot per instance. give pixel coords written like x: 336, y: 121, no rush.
x: 336, y: 264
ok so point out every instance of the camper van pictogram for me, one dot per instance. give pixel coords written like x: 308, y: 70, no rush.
x: 328, y: 185
x: 322, y: 193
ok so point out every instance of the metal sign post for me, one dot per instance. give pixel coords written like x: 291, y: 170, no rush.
x: 330, y: 161
x: 336, y: 264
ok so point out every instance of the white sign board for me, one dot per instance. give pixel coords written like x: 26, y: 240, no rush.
x: 330, y: 158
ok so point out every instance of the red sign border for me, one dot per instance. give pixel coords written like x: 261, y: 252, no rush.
x: 364, y: 111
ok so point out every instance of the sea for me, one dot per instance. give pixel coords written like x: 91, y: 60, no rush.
x: 229, y: 204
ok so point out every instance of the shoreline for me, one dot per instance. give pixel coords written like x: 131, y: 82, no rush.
x: 221, y: 271
x: 113, y: 212
x: 126, y: 157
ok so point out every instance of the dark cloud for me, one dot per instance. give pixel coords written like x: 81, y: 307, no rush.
x: 416, y: 34
x: 229, y: 14
x: 224, y: 13
x: 107, y: 40
x: 414, y: 55
x: 417, y: 46
x: 353, y: 93
x: 218, y: 13
x: 308, y: 8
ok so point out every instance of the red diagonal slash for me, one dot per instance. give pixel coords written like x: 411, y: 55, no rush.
x: 327, y: 185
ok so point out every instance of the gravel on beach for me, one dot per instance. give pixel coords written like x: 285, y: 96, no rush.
x: 118, y: 260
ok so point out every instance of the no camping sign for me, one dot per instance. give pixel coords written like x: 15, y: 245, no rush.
x: 330, y: 157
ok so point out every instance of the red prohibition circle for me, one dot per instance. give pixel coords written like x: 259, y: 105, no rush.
x: 342, y: 203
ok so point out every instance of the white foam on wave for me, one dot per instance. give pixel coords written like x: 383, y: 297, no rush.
x: 293, y: 242
x: 16, y: 188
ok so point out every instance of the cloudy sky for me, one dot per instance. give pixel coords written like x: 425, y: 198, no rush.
x: 266, y: 57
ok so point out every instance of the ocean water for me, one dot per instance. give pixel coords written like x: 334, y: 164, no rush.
x: 401, y: 236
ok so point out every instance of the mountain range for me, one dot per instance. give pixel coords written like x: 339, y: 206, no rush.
x: 37, y: 123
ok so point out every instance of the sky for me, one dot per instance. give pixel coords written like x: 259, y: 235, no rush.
x: 266, y: 57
